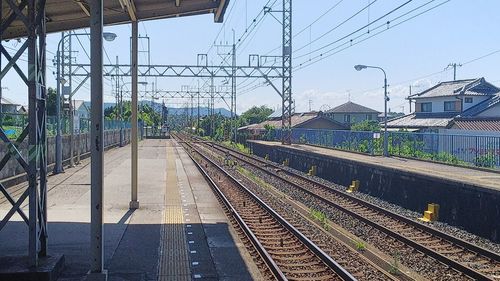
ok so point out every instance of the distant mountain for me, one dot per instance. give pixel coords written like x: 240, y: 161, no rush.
x: 174, y: 110
x: 203, y: 111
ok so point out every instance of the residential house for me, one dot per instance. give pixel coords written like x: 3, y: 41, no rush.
x: 82, y: 109
x: 438, y: 106
x: 8, y: 106
x: 350, y: 113
x: 308, y: 120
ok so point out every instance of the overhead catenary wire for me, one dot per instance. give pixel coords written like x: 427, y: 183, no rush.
x: 326, y: 54
x: 352, y: 42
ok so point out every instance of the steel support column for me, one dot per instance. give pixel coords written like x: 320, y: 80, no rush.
x: 134, y: 203
x: 286, y: 118
x: 32, y: 14
x: 233, y: 93
x: 36, y: 150
x: 97, y: 271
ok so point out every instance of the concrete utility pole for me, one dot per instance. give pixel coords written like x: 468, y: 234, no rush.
x: 409, y: 100
x: 198, y: 117
x: 97, y: 271
x: 58, y: 168
x: 134, y: 203
x: 454, y: 65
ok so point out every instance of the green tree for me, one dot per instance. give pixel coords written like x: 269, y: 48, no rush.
x: 367, y: 126
x: 256, y: 114
x: 51, y: 101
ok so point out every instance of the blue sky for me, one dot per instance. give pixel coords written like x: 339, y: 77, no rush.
x: 457, y: 31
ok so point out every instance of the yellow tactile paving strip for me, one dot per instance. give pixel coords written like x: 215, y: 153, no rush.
x: 174, y: 259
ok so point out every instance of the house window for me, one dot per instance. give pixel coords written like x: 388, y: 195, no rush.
x: 368, y: 117
x: 449, y: 106
x: 426, y: 107
x: 347, y: 118
x: 468, y: 100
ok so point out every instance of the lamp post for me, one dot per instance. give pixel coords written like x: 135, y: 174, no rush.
x: 360, y: 67
x: 121, y: 108
x: 108, y: 36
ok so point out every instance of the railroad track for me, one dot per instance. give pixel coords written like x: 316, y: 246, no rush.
x: 473, y: 261
x: 288, y: 254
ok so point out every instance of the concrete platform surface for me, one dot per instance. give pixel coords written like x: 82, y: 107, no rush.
x: 476, y: 177
x: 179, y: 233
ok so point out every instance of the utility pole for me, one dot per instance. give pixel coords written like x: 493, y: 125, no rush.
x: 310, y: 105
x: 454, y: 65
x: 198, y: 119
x: 409, y: 99
x: 233, y: 91
x: 58, y: 168
x: 68, y: 91
x: 212, y: 129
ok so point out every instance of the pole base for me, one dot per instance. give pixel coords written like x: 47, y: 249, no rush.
x: 97, y: 276
x: 134, y: 205
x: 19, y: 268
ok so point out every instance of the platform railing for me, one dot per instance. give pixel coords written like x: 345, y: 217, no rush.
x: 456, y: 149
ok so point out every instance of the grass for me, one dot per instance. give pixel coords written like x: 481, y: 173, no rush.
x: 394, y: 269
x: 360, y: 245
x: 238, y: 146
x: 253, y: 177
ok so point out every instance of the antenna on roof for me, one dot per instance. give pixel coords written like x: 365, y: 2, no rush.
x: 348, y: 95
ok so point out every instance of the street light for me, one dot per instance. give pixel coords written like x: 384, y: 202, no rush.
x: 108, y: 36
x: 360, y: 67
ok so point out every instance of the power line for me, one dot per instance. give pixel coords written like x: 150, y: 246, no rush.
x: 352, y: 42
x: 339, y: 25
x: 323, y: 56
x: 356, y: 31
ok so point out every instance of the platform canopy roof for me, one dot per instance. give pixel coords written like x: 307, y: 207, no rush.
x: 74, y: 14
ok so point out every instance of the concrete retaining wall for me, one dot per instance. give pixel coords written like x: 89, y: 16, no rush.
x: 12, y: 168
x: 473, y: 208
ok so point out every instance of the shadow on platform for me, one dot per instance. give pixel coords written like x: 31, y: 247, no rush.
x: 131, y: 251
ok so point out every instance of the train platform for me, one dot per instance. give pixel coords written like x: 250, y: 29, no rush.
x: 476, y: 177
x: 180, y: 232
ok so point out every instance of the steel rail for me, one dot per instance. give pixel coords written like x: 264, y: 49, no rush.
x: 436, y: 255
x: 338, y: 269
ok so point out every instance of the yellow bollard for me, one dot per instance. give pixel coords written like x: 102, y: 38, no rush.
x: 353, y: 187
x: 312, y: 171
x: 432, y: 213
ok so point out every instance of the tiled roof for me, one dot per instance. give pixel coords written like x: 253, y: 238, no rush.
x: 411, y: 121
x: 297, y: 119
x: 350, y: 107
x: 469, y: 87
x: 476, y: 124
x: 8, y: 101
x: 480, y: 107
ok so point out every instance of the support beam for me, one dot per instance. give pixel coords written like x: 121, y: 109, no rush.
x: 33, y: 245
x: 286, y: 117
x: 97, y: 271
x: 134, y: 203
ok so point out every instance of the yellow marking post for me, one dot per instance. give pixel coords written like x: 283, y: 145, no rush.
x: 312, y: 171
x: 432, y: 213
x: 353, y: 187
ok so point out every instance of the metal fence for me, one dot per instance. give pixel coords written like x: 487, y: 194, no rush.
x: 13, y: 124
x: 466, y: 149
